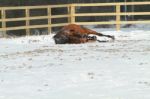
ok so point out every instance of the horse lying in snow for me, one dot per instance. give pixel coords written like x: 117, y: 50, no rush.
x: 75, y: 34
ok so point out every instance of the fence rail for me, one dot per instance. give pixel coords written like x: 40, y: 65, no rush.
x: 71, y: 16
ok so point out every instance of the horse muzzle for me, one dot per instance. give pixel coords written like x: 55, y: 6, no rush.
x: 60, y: 40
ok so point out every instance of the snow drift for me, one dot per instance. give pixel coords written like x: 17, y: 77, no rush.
x: 35, y: 68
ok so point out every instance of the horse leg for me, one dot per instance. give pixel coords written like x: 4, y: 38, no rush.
x: 89, y: 31
x: 100, y: 34
x: 109, y: 36
x: 92, y: 38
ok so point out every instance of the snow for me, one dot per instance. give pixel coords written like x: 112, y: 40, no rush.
x: 35, y: 68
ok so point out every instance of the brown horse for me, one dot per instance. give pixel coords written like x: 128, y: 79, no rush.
x: 75, y: 34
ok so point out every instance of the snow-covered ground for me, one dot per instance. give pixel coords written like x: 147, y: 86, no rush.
x: 35, y: 68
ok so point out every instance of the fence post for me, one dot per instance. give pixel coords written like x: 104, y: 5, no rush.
x: 69, y: 13
x: 118, y: 17
x: 27, y: 21
x: 49, y: 20
x: 3, y: 14
x: 72, y: 13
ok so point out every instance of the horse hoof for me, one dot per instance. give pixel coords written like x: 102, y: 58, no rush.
x: 113, y: 37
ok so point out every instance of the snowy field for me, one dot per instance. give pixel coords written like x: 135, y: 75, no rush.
x: 35, y: 68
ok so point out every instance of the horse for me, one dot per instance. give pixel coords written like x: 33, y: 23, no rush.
x: 76, y: 34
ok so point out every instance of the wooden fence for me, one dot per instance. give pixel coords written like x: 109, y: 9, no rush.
x: 71, y: 16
